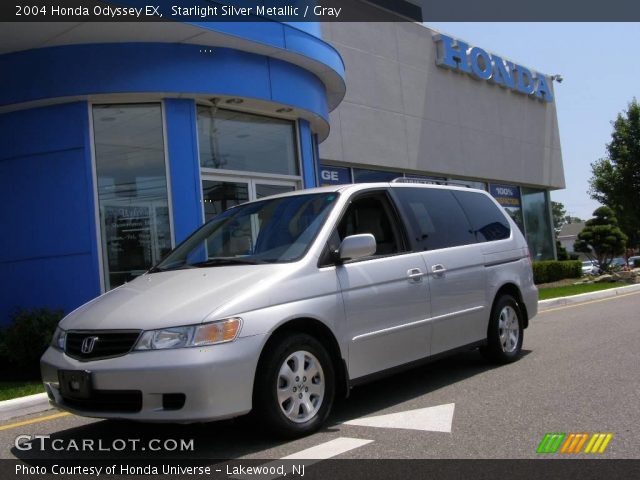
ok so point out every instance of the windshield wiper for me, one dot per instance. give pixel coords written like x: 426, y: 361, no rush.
x: 216, y: 261
x: 228, y: 261
x: 182, y: 266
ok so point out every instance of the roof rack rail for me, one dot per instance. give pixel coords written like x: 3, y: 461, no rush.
x: 430, y: 181
x: 416, y: 180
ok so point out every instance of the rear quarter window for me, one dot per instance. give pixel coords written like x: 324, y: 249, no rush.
x: 489, y: 223
x: 436, y: 218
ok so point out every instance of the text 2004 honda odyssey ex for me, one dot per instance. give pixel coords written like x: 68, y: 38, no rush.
x: 278, y: 305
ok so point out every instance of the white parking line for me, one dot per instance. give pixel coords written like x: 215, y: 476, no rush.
x: 430, y: 419
x: 328, y: 449
x: 304, y: 458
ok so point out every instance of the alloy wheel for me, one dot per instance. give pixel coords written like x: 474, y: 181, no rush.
x: 300, y: 386
x: 508, y: 329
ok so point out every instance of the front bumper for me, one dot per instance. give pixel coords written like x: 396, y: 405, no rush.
x: 217, y: 381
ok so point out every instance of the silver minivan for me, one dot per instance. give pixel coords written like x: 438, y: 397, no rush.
x: 279, y: 305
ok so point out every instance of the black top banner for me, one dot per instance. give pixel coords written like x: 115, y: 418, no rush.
x: 316, y: 10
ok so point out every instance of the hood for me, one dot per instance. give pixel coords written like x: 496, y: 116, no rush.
x: 178, y: 297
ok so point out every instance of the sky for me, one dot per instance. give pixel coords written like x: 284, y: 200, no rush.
x: 601, y: 75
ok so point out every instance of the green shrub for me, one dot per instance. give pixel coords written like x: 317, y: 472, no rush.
x: 25, y: 339
x: 552, y: 270
x: 561, y: 252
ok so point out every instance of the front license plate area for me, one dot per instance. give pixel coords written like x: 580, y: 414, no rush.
x: 75, y: 383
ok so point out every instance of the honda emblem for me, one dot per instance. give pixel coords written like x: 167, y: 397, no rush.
x: 87, y: 344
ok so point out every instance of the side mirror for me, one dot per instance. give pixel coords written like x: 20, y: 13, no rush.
x: 357, y: 246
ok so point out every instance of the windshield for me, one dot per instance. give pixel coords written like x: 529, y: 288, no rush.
x: 269, y: 231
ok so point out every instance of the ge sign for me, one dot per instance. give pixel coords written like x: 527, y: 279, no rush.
x: 334, y: 175
x: 330, y: 176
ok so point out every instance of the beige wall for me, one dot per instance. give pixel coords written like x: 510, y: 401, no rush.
x: 401, y: 111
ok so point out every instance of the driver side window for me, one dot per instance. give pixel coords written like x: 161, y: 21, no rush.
x: 372, y: 213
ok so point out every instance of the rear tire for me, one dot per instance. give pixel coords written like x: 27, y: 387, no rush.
x: 295, y: 386
x: 505, y: 333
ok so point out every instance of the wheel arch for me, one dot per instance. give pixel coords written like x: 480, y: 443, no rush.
x: 513, y: 290
x: 320, y: 332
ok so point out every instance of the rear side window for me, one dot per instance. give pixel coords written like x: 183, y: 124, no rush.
x: 488, y: 222
x: 437, y: 219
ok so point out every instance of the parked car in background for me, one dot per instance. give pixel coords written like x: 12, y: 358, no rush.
x: 281, y: 304
x: 590, y: 267
x: 632, y: 261
x: 617, y: 263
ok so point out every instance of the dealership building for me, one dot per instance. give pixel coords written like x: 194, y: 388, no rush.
x: 119, y: 139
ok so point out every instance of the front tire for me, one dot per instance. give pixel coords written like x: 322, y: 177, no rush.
x: 505, y: 333
x: 295, y: 386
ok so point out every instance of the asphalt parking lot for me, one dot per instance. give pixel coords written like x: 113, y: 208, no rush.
x: 579, y: 373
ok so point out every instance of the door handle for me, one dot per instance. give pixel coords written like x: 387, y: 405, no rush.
x: 415, y: 275
x: 438, y: 269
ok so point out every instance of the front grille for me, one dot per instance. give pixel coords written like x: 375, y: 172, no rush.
x: 106, y: 343
x: 116, y: 401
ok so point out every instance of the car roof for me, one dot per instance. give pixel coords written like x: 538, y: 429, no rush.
x: 354, y: 187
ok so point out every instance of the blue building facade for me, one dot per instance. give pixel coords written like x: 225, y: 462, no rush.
x: 117, y: 141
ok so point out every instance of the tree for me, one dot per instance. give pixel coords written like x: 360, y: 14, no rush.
x: 570, y: 219
x: 615, y: 180
x: 601, y: 238
x: 559, y: 216
x: 561, y: 251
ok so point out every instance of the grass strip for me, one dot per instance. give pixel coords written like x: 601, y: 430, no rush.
x: 568, y: 290
x: 10, y: 390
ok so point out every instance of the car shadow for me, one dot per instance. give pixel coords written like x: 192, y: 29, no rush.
x: 230, y: 439
x: 395, y: 389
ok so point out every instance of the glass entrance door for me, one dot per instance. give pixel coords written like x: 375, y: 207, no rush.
x: 217, y: 196
x: 221, y: 193
x: 265, y: 189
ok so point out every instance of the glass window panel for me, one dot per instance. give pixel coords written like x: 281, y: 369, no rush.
x: 437, y: 219
x: 538, y: 223
x: 267, y: 231
x: 231, y: 140
x: 219, y: 196
x: 371, y: 214
x: 132, y: 189
x: 487, y: 221
x: 264, y: 189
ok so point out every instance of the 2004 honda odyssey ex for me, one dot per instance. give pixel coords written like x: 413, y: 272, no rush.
x: 280, y: 304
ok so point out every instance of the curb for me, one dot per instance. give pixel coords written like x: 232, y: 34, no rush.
x: 17, y: 407
x: 585, y: 297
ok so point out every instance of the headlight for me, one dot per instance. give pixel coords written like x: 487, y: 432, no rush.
x: 199, y: 335
x: 59, y: 339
